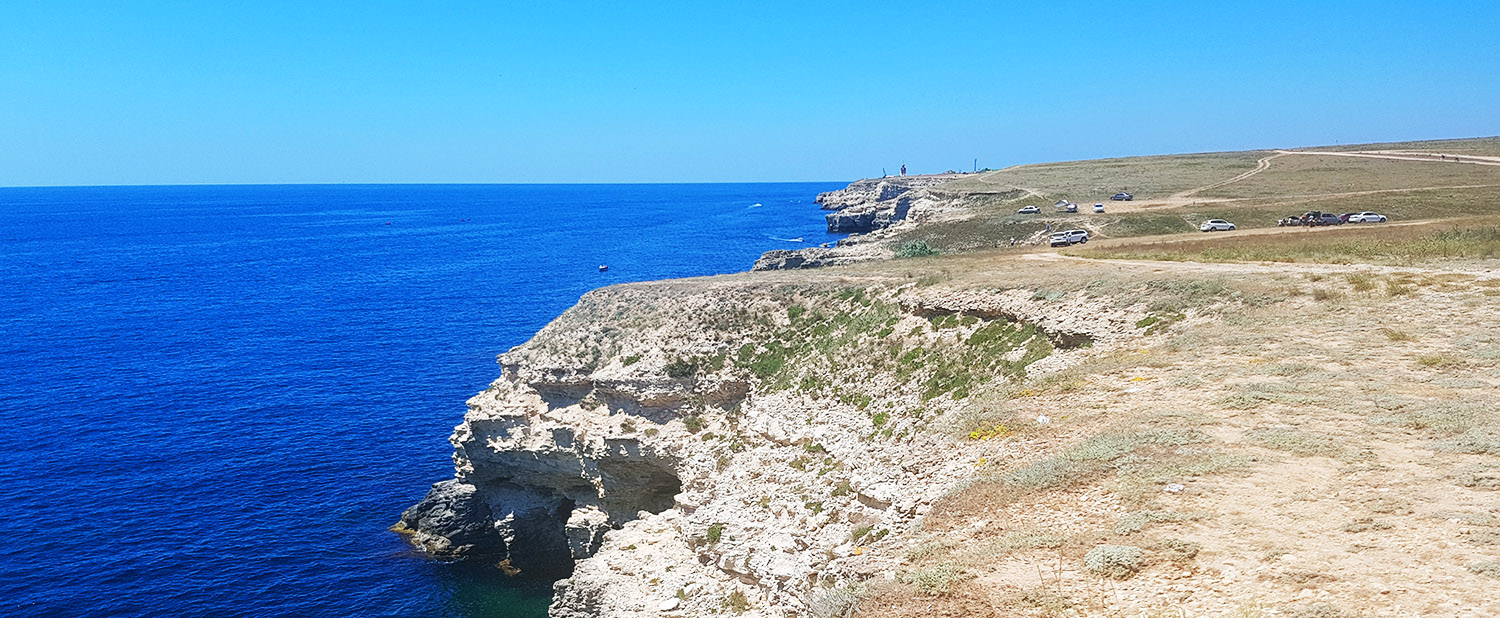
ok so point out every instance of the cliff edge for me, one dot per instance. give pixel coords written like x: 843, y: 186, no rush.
x: 679, y: 444
x: 873, y: 211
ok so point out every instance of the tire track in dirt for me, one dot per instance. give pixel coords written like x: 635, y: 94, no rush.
x: 1263, y: 164
x: 1424, y: 157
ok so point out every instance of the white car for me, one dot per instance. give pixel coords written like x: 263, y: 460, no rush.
x: 1367, y: 217
x: 1070, y: 237
x: 1029, y: 210
x: 1098, y: 207
x: 1216, y: 225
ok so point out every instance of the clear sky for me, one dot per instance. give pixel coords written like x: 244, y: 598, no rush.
x: 266, y: 92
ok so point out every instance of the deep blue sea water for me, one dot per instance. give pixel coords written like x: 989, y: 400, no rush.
x: 215, y: 400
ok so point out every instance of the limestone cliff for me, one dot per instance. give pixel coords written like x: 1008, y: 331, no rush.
x: 875, y: 203
x: 682, y: 445
x: 869, y: 210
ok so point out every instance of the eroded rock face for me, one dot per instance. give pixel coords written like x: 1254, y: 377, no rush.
x: 644, y: 446
x: 869, y: 209
x: 868, y: 205
x: 537, y: 490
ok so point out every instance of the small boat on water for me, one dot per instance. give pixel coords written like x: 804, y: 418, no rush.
x: 603, y: 268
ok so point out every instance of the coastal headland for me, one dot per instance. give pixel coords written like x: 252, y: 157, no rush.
x: 1275, y: 420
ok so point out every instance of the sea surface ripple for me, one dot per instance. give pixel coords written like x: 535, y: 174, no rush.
x: 214, y: 400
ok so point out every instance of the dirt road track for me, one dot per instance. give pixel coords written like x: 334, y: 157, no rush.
x: 1442, y: 157
x: 1243, y: 268
x: 1260, y: 166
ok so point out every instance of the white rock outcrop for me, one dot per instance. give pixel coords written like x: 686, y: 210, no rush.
x: 668, y: 456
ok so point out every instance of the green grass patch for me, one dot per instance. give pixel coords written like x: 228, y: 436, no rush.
x: 938, y: 580
x: 1296, y: 441
x: 914, y: 248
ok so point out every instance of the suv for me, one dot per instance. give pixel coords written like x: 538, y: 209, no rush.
x: 1122, y: 197
x: 1216, y: 225
x: 1329, y: 218
x: 1070, y: 237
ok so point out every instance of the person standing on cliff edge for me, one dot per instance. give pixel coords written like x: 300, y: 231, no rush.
x: 903, y: 169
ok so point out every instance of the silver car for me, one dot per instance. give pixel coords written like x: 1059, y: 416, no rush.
x: 1216, y: 225
x: 1367, y: 217
x: 1070, y: 237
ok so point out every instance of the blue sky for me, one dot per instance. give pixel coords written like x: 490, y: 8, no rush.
x: 267, y: 92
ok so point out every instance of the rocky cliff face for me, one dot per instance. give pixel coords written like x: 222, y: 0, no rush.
x: 682, y: 445
x: 866, y: 208
x: 871, y: 204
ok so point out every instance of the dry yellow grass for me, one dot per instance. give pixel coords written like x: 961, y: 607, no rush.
x: 1319, y: 453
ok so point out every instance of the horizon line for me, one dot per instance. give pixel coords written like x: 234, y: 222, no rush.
x: 1336, y: 144
x: 414, y: 183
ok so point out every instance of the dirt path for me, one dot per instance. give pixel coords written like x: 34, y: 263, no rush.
x: 985, y: 179
x: 1397, y: 155
x: 1245, y: 268
x: 1258, y: 268
x: 1260, y: 231
x: 1260, y: 166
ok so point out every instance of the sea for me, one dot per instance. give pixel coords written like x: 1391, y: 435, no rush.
x: 215, y: 400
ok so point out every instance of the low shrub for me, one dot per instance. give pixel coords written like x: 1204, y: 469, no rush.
x: 1177, y: 550
x: 1030, y: 539
x: 938, y: 580
x: 682, y: 368
x: 1139, y: 520
x: 1114, y: 561
x: 1479, y: 476
x: 914, y: 248
x: 737, y: 602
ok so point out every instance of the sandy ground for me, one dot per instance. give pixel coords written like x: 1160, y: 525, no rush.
x: 1377, y: 522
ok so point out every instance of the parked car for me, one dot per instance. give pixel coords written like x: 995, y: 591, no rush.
x: 1317, y: 217
x: 1029, y: 210
x: 1292, y: 220
x: 1069, y: 237
x: 1098, y: 207
x: 1216, y: 225
x: 1345, y: 217
x: 1122, y: 197
x: 1367, y: 217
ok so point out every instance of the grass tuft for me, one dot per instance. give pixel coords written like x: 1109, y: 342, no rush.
x: 1295, y: 441
x: 938, y: 580
x: 1115, y: 561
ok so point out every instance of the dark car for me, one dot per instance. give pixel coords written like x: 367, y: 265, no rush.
x: 1315, y: 217
x: 1122, y: 197
x: 1345, y: 217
